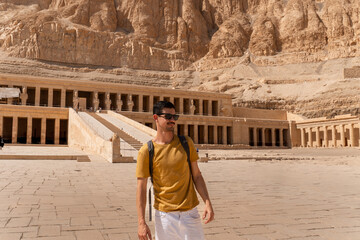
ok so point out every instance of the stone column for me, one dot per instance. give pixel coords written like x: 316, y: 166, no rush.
x: 63, y: 98
x: 37, y: 96
x: 50, y: 97
x: 317, y: 137
x: 326, y: 138
x: 255, y: 136
x: 302, y: 132
x: 219, y: 106
x: 201, y: 111
x: 206, y: 134
x: 181, y: 110
x: 352, y: 138
x: 334, y: 135
x: 210, y: 108
x: 43, y: 130
x: 57, y: 131
x: 186, y: 129
x: 76, y: 100
x: 151, y: 103
x: 107, y: 101
x: 215, y: 134
x: 141, y: 103
x: 281, y: 137
x: 29, y: 130
x: 24, y: 96
x: 273, y: 139
x: 342, y: 135
x: 263, y: 136
x: 224, y: 135
x: 14, y: 130
x: 196, y: 133
x: 310, y: 137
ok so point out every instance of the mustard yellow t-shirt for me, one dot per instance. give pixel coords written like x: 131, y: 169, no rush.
x: 173, y: 185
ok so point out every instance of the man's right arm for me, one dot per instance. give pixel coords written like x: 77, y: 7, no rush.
x: 144, y: 232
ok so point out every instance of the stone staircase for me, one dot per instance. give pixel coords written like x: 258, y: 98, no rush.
x: 123, y: 135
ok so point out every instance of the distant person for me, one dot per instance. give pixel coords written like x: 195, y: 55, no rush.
x: 1, y: 143
x: 174, y: 176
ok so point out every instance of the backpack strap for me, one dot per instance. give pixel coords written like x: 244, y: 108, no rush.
x: 185, y: 145
x: 151, y: 156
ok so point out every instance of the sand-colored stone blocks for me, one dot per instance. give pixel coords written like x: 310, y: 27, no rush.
x: 208, y: 118
x: 49, y: 231
x: 89, y: 235
x: 10, y: 236
x: 80, y: 221
x: 97, y: 198
x: 18, y: 222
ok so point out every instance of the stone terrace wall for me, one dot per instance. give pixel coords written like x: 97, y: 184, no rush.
x: 259, y: 113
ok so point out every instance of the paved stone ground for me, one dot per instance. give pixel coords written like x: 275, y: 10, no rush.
x: 314, y: 198
x: 38, y: 150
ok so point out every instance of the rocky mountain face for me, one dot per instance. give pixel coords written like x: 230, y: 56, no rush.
x: 195, y: 36
x: 173, y: 34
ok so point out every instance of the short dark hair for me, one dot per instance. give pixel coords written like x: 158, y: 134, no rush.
x: 159, y: 106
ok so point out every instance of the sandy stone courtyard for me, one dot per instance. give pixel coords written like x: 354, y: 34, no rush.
x: 297, y: 194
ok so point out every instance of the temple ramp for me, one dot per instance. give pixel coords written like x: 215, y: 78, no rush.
x: 129, y: 145
x: 91, y: 136
x: 135, y: 129
x: 96, y: 126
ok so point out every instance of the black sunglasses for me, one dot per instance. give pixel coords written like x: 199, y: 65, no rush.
x: 169, y: 116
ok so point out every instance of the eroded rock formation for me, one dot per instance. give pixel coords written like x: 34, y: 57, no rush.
x: 173, y: 34
x: 231, y: 46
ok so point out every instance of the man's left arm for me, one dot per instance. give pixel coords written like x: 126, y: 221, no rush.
x: 202, y: 190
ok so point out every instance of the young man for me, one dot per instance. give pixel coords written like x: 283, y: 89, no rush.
x: 176, y: 215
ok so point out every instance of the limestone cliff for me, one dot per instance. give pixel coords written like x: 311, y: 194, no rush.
x: 172, y: 34
x: 198, y: 37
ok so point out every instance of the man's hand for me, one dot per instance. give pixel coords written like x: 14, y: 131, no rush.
x: 144, y: 232
x: 208, y: 212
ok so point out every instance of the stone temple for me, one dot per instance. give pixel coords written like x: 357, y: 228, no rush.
x: 115, y: 119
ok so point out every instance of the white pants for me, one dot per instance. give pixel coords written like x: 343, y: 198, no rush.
x: 178, y: 225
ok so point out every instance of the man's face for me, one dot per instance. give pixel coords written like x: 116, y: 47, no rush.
x: 164, y: 124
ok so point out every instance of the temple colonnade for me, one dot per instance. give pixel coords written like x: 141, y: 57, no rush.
x: 202, y: 113
x: 268, y: 137
x: 121, y: 99
x: 33, y: 125
x: 208, y: 118
x: 342, y: 131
